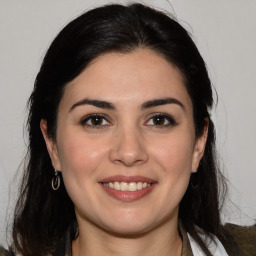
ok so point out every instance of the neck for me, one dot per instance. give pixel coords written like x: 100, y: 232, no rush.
x: 93, y: 241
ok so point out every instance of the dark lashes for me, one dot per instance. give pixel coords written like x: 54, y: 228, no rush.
x: 87, y: 118
x: 167, y: 117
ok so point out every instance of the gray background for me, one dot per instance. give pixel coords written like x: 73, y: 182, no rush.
x: 224, y: 31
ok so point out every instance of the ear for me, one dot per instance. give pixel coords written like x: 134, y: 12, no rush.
x: 51, y: 146
x: 200, y: 147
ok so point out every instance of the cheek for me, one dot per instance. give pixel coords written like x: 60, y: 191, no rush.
x: 79, y: 158
x: 174, y: 154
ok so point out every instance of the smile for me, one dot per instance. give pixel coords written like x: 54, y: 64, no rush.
x: 124, y: 186
x: 128, y: 188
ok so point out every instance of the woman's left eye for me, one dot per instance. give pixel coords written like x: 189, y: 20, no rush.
x: 161, y: 121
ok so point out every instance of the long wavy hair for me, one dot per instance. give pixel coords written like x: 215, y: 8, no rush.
x: 43, y: 215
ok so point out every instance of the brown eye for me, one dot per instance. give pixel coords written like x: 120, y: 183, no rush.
x: 161, y: 120
x: 95, y: 121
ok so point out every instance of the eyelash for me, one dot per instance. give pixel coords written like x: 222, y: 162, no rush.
x: 103, y: 118
x: 168, y: 118
x: 84, y: 121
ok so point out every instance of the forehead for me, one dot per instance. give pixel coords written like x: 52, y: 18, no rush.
x: 128, y: 77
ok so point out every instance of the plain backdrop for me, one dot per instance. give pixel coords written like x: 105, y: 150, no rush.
x: 225, y: 33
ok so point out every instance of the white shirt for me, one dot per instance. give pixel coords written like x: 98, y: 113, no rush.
x: 215, y: 247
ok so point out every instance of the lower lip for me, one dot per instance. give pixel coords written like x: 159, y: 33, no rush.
x: 128, y: 196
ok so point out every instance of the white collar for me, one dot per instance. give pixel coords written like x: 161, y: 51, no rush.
x: 214, y: 246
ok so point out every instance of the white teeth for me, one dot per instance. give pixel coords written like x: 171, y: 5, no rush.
x: 132, y: 186
x: 139, y: 185
x: 144, y: 185
x: 117, y: 185
x: 124, y: 186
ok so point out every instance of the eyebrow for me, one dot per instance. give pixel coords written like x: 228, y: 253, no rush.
x: 107, y: 105
x: 160, y: 102
x: 96, y: 103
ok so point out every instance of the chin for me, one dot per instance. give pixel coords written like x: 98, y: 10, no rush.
x: 126, y: 230
x: 134, y: 225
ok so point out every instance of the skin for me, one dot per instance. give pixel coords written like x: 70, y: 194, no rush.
x: 127, y: 142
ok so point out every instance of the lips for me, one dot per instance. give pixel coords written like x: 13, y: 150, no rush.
x: 127, y: 188
x: 128, y: 179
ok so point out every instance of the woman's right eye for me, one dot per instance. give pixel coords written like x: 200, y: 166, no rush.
x: 95, y: 121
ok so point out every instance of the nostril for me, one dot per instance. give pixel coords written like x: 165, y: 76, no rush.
x: 128, y: 148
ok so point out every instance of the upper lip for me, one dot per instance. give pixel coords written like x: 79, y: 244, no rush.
x: 127, y: 179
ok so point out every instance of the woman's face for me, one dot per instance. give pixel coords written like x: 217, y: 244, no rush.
x: 126, y: 142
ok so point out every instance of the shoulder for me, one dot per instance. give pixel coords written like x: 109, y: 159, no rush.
x: 241, y: 238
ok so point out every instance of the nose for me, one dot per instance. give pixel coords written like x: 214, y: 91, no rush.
x: 128, y: 148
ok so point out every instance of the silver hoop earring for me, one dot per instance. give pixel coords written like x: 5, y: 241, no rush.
x: 56, y: 181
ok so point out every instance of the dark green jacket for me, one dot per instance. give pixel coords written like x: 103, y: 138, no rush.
x: 237, y: 240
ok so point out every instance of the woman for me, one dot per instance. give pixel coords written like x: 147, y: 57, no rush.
x: 122, y: 147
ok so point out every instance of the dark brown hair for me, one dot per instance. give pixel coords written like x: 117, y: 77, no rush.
x: 39, y: 222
